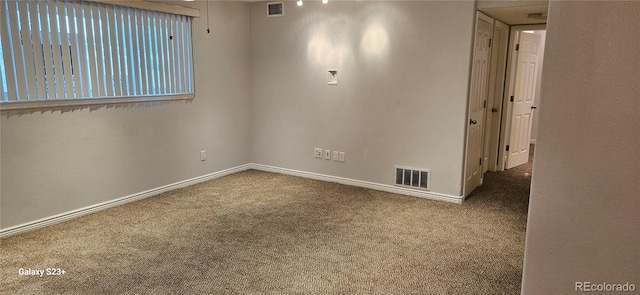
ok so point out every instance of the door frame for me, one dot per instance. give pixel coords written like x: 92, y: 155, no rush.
x: 505, y: 121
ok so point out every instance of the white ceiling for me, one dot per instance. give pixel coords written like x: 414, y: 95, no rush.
x: 511, y: 12
x: 514, y: 12
x: 517, y: 15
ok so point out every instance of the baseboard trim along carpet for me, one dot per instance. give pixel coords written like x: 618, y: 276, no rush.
x: 360, y: 183
x: 117, y: 202
x: 152, y: 192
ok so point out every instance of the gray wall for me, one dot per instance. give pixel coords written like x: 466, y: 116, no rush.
x: 401, y: 98
x: 583, y: 220
x: 57, y: 162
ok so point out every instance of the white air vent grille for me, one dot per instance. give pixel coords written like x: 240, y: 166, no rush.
x: 413, y: 177
x: 275, y: 9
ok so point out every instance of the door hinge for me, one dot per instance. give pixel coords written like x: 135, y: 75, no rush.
x: 480, y: 161
x: 489, y: 42
x: 517, y: 47
x: 511, y: 98
x: 484, y: 104
x: 507, y: 148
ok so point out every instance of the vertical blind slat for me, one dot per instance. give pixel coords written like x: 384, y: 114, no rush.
x: 151, y: 54
x: 108, y: 53
x: 3, y: 97
x: 56, y: 49
x: 3, y: 80
x: 144, y: 65
x: 183, y: 35
x: 7, y: 52
x: 154, y: 43
x: 100, y: 47
x: 189, y: 61
x: 27, y: 51
x: 163, y: 41
x: 136, y: 53
x: 130, y: 53
x: 81, y: 51
x: 91, y: 49
x: 113, y: 47
x: 38, y: 53
x: 167, y: 20
x: 177, y: 55
x: 76, y: 64
x: 18, y: 53
x: 122, y: 52
x: 65, y: 50
x: 47, y: 52
x: 181, y: 72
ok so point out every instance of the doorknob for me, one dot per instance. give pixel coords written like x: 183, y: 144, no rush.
x: 534, y: 107
x: 473, y: 122
x: 494, y: 110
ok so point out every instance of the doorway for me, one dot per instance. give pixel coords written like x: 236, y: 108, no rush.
x: 504, y: 97
x: 521, y: 97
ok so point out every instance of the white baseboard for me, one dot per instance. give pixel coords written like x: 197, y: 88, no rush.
x: 117, y: 202
x: 152, y: 192
x: 360, y: 183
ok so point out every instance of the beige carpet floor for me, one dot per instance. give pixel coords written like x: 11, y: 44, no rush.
x: 263, y: 233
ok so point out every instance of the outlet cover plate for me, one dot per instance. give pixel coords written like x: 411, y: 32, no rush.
x: 317, y: 152
x: 327, y: 154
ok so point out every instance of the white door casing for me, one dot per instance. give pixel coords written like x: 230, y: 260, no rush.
x: 477, y: 101
x: 523, y: 99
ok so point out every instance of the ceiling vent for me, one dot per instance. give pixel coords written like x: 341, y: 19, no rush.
x: 412, y: 177
x: 275, y: 9
x: 537, y: 15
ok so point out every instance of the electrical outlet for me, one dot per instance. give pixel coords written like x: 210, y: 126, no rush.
x: 336, y: 155
x: 327, y: 154
x: 203, y: 155
x: 317, y: 152
x: 343, y: 156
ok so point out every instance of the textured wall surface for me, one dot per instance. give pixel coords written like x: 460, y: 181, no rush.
x: 401, y: 98
x: 56, y: 162
x: 584, y: 221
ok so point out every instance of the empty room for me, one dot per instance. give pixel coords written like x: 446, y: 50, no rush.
x: 319, y: 147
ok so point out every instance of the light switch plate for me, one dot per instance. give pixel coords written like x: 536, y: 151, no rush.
x: 336, y: 156
x: 327, y: 154
x: 343, y: 156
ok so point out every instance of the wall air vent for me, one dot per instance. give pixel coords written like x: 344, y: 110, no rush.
x: 275, y: 9
x: 413, y: 177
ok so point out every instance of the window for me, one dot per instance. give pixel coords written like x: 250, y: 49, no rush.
x: 72, y: 52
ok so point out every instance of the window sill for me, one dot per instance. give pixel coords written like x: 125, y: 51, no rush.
x: 62, y: 103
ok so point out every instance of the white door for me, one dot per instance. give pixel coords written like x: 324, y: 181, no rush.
x: 523, y: 96
x: 493, y: 111
x: 477, y: 101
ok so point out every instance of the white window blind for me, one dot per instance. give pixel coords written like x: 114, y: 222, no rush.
x: 63, y: 50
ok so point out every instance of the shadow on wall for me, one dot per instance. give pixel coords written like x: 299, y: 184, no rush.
x: 91, y: 108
